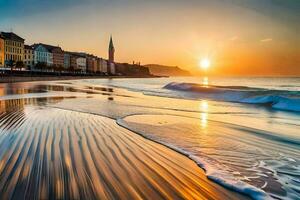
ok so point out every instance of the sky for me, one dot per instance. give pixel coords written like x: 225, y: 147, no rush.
x: 239, y: 37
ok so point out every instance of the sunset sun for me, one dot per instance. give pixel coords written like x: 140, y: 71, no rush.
x: 204, y: 63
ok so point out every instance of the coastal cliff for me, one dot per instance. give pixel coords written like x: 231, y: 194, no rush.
x: 161, y: 70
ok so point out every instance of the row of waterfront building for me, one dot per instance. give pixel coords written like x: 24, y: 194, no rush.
x: 14, y: 51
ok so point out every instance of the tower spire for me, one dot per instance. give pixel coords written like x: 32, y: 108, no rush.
x: 111, y: 51
x: 111, y: 43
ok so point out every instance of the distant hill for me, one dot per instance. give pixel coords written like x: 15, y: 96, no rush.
x: 161, y: 70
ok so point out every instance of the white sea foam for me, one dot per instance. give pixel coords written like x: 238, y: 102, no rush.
x: 229, y: 181
x: 277, y: 99
x: 213, y: 172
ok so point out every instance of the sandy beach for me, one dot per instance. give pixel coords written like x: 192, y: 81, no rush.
x: 52, y: 146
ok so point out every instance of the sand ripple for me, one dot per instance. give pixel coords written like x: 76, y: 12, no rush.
x: 48, y: 153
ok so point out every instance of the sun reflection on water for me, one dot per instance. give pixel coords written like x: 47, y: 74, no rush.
x: 203, y: 120
x: 205, y: 82
x: 204, y: 114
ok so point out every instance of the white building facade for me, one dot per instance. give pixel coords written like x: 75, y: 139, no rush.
x: 42, y: 55
x: 81, y: 63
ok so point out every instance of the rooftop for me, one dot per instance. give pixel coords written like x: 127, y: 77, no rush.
x: 12, y: 36
x: 28, y: 47
x: 50, y: 48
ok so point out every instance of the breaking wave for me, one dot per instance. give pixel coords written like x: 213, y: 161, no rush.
x: 277, y: 99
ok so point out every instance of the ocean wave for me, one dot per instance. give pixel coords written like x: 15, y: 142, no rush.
x: 277, y: 99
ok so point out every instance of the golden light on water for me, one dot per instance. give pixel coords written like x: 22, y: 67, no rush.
x: 203, y: 120
x: 204, y: 106
x: 205, y: 81
x: 205, y: 63
x: 204, y: 114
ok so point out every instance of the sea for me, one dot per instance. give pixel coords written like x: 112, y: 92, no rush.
x: 245, y: 131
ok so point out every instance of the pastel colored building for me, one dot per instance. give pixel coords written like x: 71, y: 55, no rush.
x: 78, y: 61
x: 51, y: 55
x: 58, y: 55
x: 29, y: 56
x: 42, y: 55
x: 13, y: 48
x: 91, y: 62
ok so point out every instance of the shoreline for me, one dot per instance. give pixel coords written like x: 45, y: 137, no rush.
x: 112, y: 161
x: 257, y: 193
x: 96, y: 162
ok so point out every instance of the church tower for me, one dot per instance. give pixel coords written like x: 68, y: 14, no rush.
x: 111, y: 51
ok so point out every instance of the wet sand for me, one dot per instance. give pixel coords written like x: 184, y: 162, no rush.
x: 55, y: 153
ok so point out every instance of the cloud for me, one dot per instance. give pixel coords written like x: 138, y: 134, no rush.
x: 266, y: 40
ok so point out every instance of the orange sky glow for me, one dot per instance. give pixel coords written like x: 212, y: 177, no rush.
x: 238, y: 37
